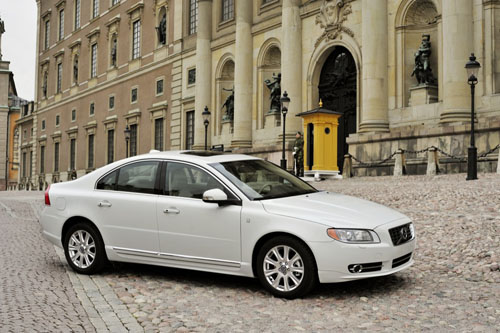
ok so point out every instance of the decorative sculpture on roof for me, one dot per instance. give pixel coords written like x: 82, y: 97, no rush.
x: 2, y: 30
x: 332, y: 14
x: 422, y: 70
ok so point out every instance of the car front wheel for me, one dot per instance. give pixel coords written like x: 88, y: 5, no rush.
x: 84, y: 249
x: 286, y: 267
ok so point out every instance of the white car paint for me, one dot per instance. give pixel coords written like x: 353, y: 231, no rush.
x: 205, y: 236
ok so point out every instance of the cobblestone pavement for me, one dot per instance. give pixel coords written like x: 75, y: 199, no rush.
x: 453, y: 286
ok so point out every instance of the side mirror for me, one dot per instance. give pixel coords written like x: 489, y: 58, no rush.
x: 219, y: 197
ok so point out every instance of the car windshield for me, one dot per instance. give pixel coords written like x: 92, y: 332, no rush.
x: 260, y: 180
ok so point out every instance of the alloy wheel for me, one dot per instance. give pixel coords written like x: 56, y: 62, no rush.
x: 283, y: 268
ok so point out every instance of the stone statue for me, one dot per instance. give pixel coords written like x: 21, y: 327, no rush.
x: 275, y: 96
x: 75, y: 70
x: 422, y: 70
x: 229, y: 105
x: 113, y: 52
x: 2, y: 30
x: 161, y: 30
x: 44, y: 84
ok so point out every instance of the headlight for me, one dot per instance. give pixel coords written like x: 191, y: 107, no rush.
x: 354, y: 235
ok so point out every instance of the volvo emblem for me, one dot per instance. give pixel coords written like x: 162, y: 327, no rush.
x: 405, y: 235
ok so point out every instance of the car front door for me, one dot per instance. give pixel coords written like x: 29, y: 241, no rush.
x: 192, y: 231
x: 126, y: 208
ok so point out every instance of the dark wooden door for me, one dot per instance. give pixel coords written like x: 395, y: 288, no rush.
x: 337, y: 90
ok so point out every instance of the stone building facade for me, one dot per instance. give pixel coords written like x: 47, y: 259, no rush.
x: 102, y: 64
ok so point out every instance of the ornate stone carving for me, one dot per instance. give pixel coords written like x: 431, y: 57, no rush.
x: 333, y: 13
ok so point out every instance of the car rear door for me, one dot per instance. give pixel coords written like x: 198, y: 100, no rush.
x: 126, y: 203
x: 192, y: 231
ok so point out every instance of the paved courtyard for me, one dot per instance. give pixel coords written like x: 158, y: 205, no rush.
x: 453, y: 286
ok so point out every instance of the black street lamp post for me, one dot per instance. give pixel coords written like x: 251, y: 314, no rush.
x: 472, y: 67
x: 206, y: 120
x: 127, y: 138
x: 285, y: 101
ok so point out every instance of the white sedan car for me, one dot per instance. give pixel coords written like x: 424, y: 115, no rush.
x: 224, y: 213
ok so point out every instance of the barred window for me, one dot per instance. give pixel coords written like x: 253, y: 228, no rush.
x: 47, y: 35
x: 133, y: 140
x: 56, y: 157
x: 61, y: 24
x: 159, y: 87
x: 77, y: 14
x: 95, y: 8
x: 92, y: 109
x: 189, y: 129
x: 136, y: 39
x: 227, y: 10
x: 90, y: 158
x: 59, y: 77
x: 193, y: 16
x: 192, y: 76
x: 93, y: 61
x: 159, y: 134
x: 111, y: 146
x: 42, y: 159
x: 72, y: 154
x: 111, y: 102
x: 133, y: 95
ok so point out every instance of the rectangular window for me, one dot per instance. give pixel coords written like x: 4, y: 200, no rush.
x: 93, y: 61
x: 111, y: 146
x: 193, y: 16
x: 133, y: 95
x: 47, y: 35
x: 90, y: 162
x: 56, y: 157
x: 73, y: 115
x: 159, y: 87
x: 136, y: 39
x: 72, y: 154
x: 192, y: 76
x: 58, y: 120
x: 227, y: 10
x: 43, y: 125
x: 42, y: 159
x: 24, y: 165
x: 91, y: 109
x: 61, y: 24
x: 31, y: 161
x: 111, y: 102
x: 59, y: 77
x: 189, y: 129
x: 114, y: 2
x: 133, y: 140
x: 77, y: 14
x: 159, y: 134
x: 95, y: 8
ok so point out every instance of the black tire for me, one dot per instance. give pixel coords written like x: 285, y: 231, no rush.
x: 95, y: 247
x: 307, y: 279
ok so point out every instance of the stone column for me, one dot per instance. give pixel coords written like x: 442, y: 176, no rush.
x: 203, y: 71
x: 457, y: 47
x: 243, y: 87
x: 375, y: 102
x: 291, y: 62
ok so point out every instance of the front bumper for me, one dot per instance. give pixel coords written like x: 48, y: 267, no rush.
x: 333, y: 258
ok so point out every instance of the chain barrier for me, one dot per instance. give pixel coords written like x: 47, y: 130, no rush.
x: 458, y: 158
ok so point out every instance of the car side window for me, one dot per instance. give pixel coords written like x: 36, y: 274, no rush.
x: 183, y: 180
x: 138, y: 177
x: 108, y: 182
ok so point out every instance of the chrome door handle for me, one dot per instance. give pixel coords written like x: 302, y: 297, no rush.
x: 104, y: 204
x: 171, y: 211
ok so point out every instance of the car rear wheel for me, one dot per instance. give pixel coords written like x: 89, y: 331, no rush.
x: 286, y: 267
x: 84, y: 249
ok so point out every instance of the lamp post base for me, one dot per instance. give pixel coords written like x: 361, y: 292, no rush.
x: 283, y: 164
x: 472, y: 163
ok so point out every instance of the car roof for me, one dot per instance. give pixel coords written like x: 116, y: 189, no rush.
x: 197, y: 156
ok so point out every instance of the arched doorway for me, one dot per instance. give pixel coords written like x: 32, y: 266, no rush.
x: 337, y: 90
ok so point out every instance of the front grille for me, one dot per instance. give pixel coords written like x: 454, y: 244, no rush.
x: 401, y: 260
x: 365, y: 268
x: 401, y: 234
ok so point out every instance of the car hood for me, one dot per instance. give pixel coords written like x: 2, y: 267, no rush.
x: 332, y: 209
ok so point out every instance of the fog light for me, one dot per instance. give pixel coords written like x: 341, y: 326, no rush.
x: 356, y: 268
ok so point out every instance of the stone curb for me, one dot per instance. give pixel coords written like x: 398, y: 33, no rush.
x: 105, y: 310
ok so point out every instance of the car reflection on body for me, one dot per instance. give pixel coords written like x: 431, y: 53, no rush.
x: 224, y: 213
